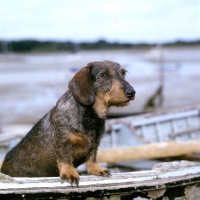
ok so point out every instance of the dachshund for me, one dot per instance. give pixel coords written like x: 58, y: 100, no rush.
x: 70, y: 133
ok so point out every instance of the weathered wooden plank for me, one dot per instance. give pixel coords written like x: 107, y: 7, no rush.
x: 152, y: 183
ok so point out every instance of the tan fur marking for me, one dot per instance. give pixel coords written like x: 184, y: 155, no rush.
x: 115, y: 97
x: 80, y: 148
x: 77, y: 139
x: 100, y: 105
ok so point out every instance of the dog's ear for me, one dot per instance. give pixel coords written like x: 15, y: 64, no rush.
x: 81, y: 87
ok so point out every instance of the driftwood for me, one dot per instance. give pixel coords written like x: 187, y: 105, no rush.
x: 148, y: 151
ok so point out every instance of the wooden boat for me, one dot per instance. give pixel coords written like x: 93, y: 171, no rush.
x: 176, y: 180
x: 153, y: 135
x: 148, y: 136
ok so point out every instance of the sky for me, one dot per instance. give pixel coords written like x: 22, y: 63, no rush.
x: 90, y: 20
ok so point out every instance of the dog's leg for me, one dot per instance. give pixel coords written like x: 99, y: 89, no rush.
x: 94, y: 168
x: 65, y: 157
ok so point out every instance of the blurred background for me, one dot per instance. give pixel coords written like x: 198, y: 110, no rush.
x: 43, y: 43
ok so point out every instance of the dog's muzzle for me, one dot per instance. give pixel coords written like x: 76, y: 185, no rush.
x: 130, y: 92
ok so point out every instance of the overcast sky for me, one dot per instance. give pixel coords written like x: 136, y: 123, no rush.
x: 90, y: 20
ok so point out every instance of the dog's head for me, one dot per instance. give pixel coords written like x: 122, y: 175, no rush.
x: 102, y: 80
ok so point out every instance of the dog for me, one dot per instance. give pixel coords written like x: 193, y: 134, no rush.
x: 69, y: 134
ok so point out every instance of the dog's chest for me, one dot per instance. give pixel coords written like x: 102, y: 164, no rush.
x: 93, y: 126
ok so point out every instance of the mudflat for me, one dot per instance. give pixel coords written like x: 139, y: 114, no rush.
x: 30, y: 84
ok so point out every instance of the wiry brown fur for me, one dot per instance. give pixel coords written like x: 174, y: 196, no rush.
x: 69, y: 134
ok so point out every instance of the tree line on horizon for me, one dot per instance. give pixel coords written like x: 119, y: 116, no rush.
x: 29, y: 46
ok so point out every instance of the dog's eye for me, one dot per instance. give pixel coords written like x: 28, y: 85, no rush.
x: 105, y: 75
x: 123, y: 72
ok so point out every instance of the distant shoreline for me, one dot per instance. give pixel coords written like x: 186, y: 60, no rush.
x: 36, y: 46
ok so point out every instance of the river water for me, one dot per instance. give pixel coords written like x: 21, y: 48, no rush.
x: 30, y: 84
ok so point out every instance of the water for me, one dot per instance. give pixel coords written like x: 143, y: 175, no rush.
x: 30, y: 84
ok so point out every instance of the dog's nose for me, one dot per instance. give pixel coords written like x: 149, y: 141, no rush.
x: 130, y: 92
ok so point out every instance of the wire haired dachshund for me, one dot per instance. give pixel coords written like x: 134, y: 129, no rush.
x: 69, y: 134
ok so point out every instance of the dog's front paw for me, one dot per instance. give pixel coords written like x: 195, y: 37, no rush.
x: 95, y: 169
x: 73, y: 179
x: 68, y: 173
x: 104, y: 172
